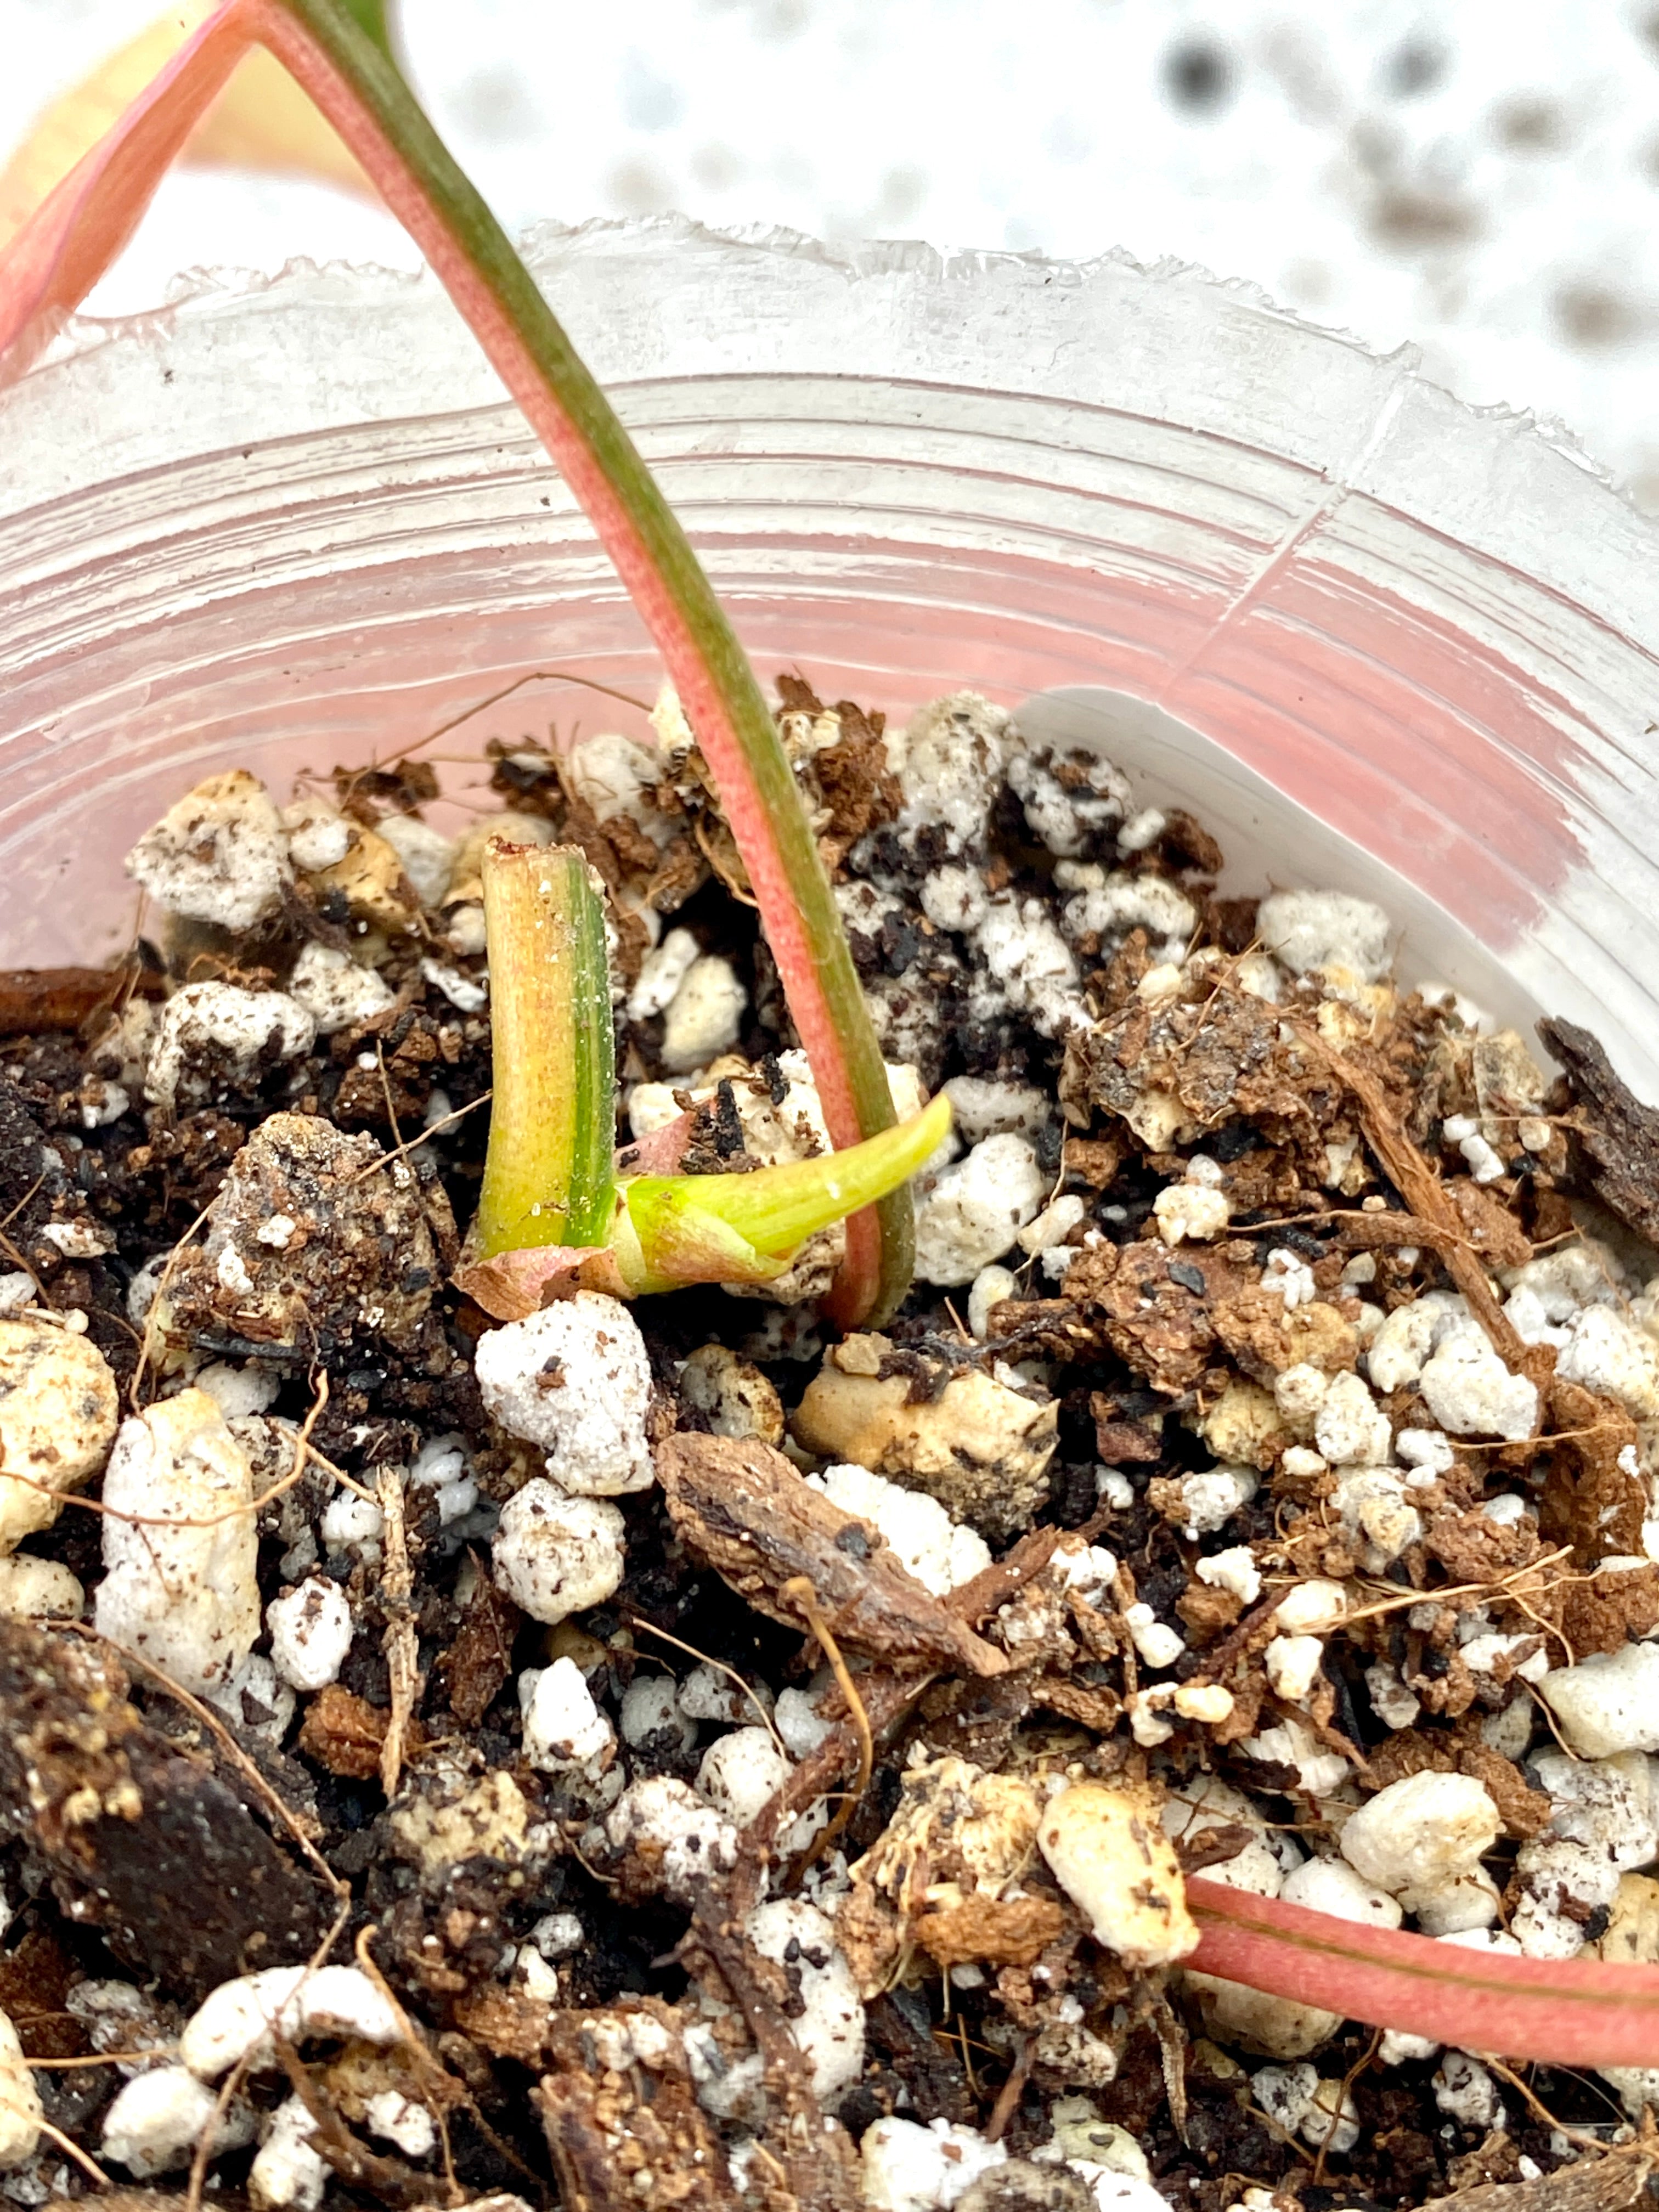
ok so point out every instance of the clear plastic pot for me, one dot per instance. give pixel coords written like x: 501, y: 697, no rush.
x: 1371, y: 638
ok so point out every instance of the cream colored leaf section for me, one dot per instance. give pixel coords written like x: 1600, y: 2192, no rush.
x: 262, y: 120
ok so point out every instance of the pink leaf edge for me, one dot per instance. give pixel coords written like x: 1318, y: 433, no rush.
x: 1564, y: 2011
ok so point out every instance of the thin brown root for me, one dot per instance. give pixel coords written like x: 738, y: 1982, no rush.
x: 720, y: 1666
x: 83, y: 2159
x: 800, y: 1592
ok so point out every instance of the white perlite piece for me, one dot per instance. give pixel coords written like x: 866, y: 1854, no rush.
x: 1308, y: 930
x: 288, y: 2174
x: 219, y: 856
x: 58, y: 1410
x: 156, y: 2123
x: 740, y: 1772
x: 686, y: 1841
x: 1330, y: 1886
x: 651, y: 1716
x: 938, y: 1551
x: 573, y: 1380
x: 563, y: 1726
x: 234, y: 2023
x: 829, y: 2028
x: 336, y: 992
x: 991, y: 1286
x: 705, y: 1015
x: 554, y: 1555
x: 1470, y: 1392
x: 1109, y: 1853
x: 186, y: 1597
x: 1191, y: 1212
x: 1607, y: 1703
x: 949, y: 759
x: 20, y: 2100
x: 310, y: 1633
x: 910, y: 2168
x: 38, y: 1589
x: 661, y: 973
x: 975, y: 1209
x: 1606, y: 1351
x: 211, y: 1031
x: 1350, y: 1428
x: 428, y: 857
x: 1234, y: 1570
x: 1422, y: 1834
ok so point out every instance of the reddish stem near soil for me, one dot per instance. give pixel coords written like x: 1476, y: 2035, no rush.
x: 77, y: 233
x: 1564, y: 2012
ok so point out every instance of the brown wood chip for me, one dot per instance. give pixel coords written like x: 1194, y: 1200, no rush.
x: 745, y: 1510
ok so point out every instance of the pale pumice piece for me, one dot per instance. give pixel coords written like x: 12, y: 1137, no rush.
x: 1470, y: 1392
x: 1311, y: 1609
x: 58, y: 1411
x: 1212, y: 1495
x: 975, y: 1209
x: 159, y: 2118
x: 428, y: 856
x: 563, y: 1726
x: 940, y: 1552
x: 991, y: 1287
x: 1307, y: 930
x: 708, y: 1693
x: 456, y: 1814
x: 1108, y: 1852
x: 1292, y: 1664
x: 233, y: 2022
x: 686, y: 1841
x: 733, y: 1396
x: 554, y: 1555
x: 1234, y: 1571
x: 1188, y: 1212
x: 336, y: 991
x: 186, y: 1597
x: 310, y: 1633
x: 740, y: 1772
x: 651, y: 1716
x: 705, y: 1016
x: 289, y: 2174
x: 829, y: 2027
x: 38, y: 1589
x: 575, y: 1380
x: 984, y: 1106
x: 907, y: 2167
x: 218, y: 855
x: 318, y: 833
x: 1332, y: 1885
x: 1421, y: 1832
x: 20, y: 2111
x: 1608, y: 1703
x: 398, y: 2119
x: 661, y: 973
x: 208, y: 1033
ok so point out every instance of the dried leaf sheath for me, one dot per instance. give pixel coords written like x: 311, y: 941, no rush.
x: 547, y: 1178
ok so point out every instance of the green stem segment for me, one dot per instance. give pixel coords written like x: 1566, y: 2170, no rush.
x: 547, y: 1178
x: 356, y: 86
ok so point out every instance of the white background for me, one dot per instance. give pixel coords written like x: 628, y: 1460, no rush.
x: 1481, y: 177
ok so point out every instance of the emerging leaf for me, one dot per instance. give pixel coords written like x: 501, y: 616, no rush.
x: 745, y: 1228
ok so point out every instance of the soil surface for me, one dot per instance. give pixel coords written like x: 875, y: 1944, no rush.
x: 1257, y: 1278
